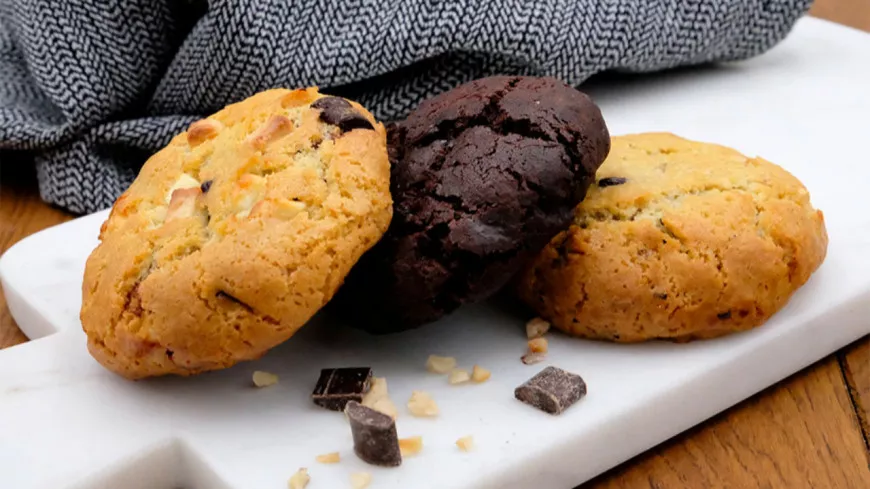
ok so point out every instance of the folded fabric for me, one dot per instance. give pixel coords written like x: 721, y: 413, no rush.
x: 93, y: 87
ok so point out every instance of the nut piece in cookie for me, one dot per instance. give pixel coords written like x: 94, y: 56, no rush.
x: 483, y: 176
x: 679, y: 240
x: 235, y: 234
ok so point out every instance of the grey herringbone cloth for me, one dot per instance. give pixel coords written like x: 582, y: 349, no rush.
x: 93, y: 87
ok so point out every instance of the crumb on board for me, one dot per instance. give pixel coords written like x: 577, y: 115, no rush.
x: 299, y: 480
x: 410, y: 446
x: 378, y: 398
x: 458, y: 376
x: 536, y: 328
x: 360, y: 480
x: 533, y: 358
x: 480, y: 374
x: 466, y: 443
x: 440, y: 365
x: 538, y: 345
x: 421, y: 404
x: 329, y: 458
x: 264, y: 379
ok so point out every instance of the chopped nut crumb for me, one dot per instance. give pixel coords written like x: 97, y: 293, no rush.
x: 440, y: 365
x: 538, y: 345
x: 378, y: 398
x: 411, y: 446
x: 466, y: 443
x: 421, y: 404
x: 329, y: 458
x: 536, y: 328
x: 378, y: 387
x: 385, y: 405
x: 533, y: 358
x: 459, y: 376
x: 480, y: 374
x: 299, y: 480
x: 360, y: 480
x: 264, y: 379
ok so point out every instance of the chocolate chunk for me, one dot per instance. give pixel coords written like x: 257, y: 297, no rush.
x: 553, y: 390
x: 374, y: 435
x: 339, y: 112
x: 338, y: 386
x: 223, y: 295
x: 611, y: 181
x: 206, y: 185
x: 724, y: 315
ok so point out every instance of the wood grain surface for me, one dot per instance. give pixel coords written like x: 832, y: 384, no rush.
x: 801, y: 433
x: 809, y: 431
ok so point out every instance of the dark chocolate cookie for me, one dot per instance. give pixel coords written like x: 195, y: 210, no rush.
x: 482, y: 177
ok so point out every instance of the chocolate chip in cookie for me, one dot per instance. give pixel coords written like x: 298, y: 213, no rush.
x: 611, y: 181
x: 339, y: 112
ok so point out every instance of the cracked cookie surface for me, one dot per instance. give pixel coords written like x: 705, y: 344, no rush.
x: 235, y: 234
x: 679, y: 240
x: 482, y: 177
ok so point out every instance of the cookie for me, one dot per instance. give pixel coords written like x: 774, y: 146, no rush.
x: 235, y: 234
x: 482, y: 177
x: 677, y: 240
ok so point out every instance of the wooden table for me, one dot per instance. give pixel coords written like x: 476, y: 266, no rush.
x: 811, y: 430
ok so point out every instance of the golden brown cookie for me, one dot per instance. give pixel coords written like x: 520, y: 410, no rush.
x: 235, y: 234
x: 679, y: 240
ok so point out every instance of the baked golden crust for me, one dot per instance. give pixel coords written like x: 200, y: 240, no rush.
x: 699, y: 241
x: 234, y: 235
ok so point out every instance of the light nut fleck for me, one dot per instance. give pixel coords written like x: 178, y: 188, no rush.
x: 480, y: 374
x: 328, y: 458
x: 411, y: 446
x: 378, y: 398
x: 466, y: 443
x: 536, y: 328
x: 264, y: 379
x: 538, y: 345
x: 458, y: 376
x: 360, y: 480
x: 533, y: 358
x: 440, y: 365
x: 422, y: 405
x: 299, y: 480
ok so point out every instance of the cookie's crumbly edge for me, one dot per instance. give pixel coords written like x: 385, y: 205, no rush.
x: 678, y: 255
x: 286, y: 206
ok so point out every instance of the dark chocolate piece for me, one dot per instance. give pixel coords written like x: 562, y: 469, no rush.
x: 339, y: 112
x: 724, y: 315
x: 375, y: 440
x: 206, y: 185
x: 611, y: 181
x: 338, y: 386
x: 482, y: 178
x: 553, y: 390
x: 223, y: 295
